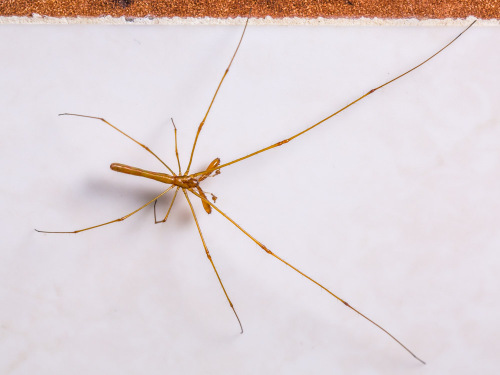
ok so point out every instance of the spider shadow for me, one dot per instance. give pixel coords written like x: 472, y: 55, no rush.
x: 107, y: 190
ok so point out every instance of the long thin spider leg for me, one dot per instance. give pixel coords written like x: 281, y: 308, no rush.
x: 113, y: 221
x: 303, y: 274
x: 210, y: 258
x: 280, y: 143
x: 213, y: 99
x: 169, y: 208
x: 176, y: 190
x: 176, y: 150
x: 126, y: 135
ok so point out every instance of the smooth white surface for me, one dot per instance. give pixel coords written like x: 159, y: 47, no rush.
x: 394, y: 204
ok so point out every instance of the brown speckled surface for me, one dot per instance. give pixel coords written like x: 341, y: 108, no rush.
x: 421, y: 9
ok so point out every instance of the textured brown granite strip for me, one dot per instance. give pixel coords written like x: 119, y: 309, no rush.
x: 421, y: 9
